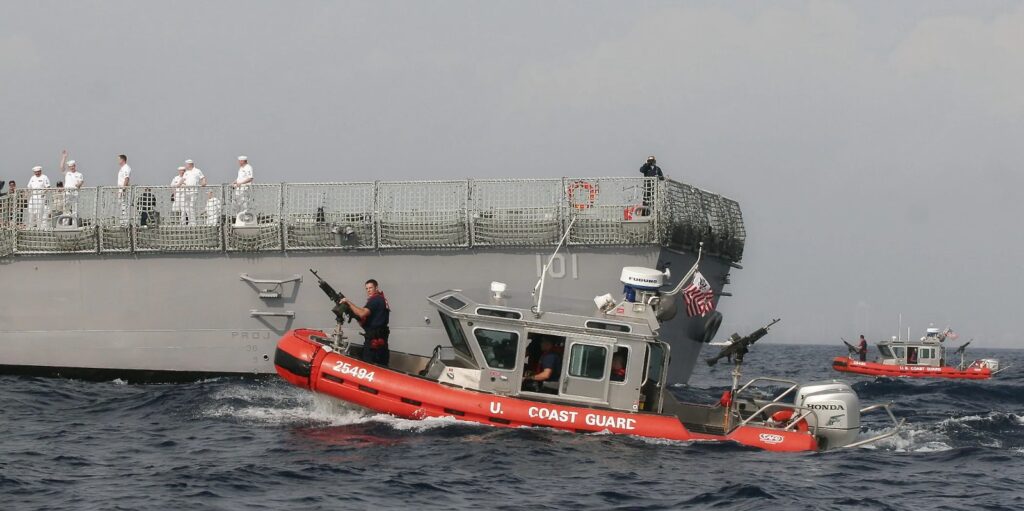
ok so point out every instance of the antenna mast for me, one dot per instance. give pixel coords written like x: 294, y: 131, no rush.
x: 538, y: 288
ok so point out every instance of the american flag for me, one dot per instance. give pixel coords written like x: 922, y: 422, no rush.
x: 698, y: 296
x: 951, y: 335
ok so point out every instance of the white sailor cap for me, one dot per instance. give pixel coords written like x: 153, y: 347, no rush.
x: 188, y: 161
x: 37, y: 168
x: 71, y: 162
x: 243, y: 158
x: 181, y: 168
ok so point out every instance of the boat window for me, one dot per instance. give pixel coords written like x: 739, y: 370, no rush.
x: 655, y: 362
x: 498, y: 313
x: 453, y: 303
x: 885, y: 351
x: 912, y: 355
x: 611, y: 327
x: 499, y: 348
x: 458, y: 340
x: 898, y: 352
x: 587, y: 361
x: 620, y: 360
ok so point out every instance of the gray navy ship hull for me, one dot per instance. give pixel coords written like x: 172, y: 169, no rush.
x: 163, y: 318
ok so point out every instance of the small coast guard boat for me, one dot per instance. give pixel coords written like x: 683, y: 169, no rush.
x: 613, y: 375
x: 924, y: 358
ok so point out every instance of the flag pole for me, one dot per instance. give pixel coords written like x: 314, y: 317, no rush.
x: 689, y: 274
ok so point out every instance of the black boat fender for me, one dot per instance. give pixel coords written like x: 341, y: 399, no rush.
x: 705, y: 331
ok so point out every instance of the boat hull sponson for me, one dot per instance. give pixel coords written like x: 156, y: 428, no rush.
x: 848, y: 365
x: 305, y: 362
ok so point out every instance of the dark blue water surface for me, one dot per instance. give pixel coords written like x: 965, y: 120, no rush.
x: 231, y: 444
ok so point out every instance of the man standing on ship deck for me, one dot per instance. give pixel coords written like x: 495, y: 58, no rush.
x: 374, y: 318
x: 213, y: 208
x: 124, y: 174
x: 862, y: 349
x: 650, y: 169
x: 194, y: 178
x: 178, y: 197
x: 15, y: 203
x: 73, y: 181
x: 241, y: 184
x: 37, y: 210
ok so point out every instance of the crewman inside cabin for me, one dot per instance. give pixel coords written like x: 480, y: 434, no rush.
x: 619, y: 365
x: 548, y: 369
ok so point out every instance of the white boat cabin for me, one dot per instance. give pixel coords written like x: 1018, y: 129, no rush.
x: 604, y: 361
x: 927, y: 351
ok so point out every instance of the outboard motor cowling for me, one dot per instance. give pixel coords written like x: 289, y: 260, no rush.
x: 836, y: 412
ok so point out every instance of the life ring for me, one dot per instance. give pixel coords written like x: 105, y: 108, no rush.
x: 786, y: 415
x: 639, y: 210
x: 591, y: 194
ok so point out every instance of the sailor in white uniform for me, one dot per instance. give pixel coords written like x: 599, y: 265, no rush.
x: 124, y: 174
x: 178, y: 197
x: 37, y: 209
x: 73, y: 181
x: 213, y: 208
x: 194, y: 178
x: 241, y: 184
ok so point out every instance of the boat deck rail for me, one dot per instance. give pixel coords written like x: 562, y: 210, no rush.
x: 380, y: 215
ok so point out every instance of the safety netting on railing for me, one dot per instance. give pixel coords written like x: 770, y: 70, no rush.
x: 726, y: 220
x: 54, y: 221
x: 612, y: 210
x: 113, y: 218
x: 422, y: 214
x: 6, y: 225
x: 696, y: 216
x: 329, y: 215
x: 173, y: 218
x: 253, y: 220
x: 516, y: 212
x: 414, y: 214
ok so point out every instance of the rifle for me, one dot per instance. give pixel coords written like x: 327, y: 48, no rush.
x: 960, y: 350
x: 340, y: 310
x: 851, y: 349
x: 741, y: 346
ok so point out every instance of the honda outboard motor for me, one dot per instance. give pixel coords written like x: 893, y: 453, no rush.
x: 837, y: 412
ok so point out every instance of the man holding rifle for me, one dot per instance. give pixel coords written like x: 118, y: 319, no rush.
x: 374, y: 319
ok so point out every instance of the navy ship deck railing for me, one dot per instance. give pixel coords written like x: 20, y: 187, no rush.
x: 370, y: 216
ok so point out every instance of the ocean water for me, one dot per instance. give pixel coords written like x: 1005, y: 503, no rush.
x: 262, y: 444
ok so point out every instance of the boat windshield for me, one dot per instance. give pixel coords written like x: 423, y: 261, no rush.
x: 499, y: 347
x: 455, y: 335
x: 885, y: 351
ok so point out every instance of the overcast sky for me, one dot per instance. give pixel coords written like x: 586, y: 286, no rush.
x: 875, y: 147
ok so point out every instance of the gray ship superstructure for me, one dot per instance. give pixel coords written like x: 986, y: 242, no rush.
x: 159, y: 283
